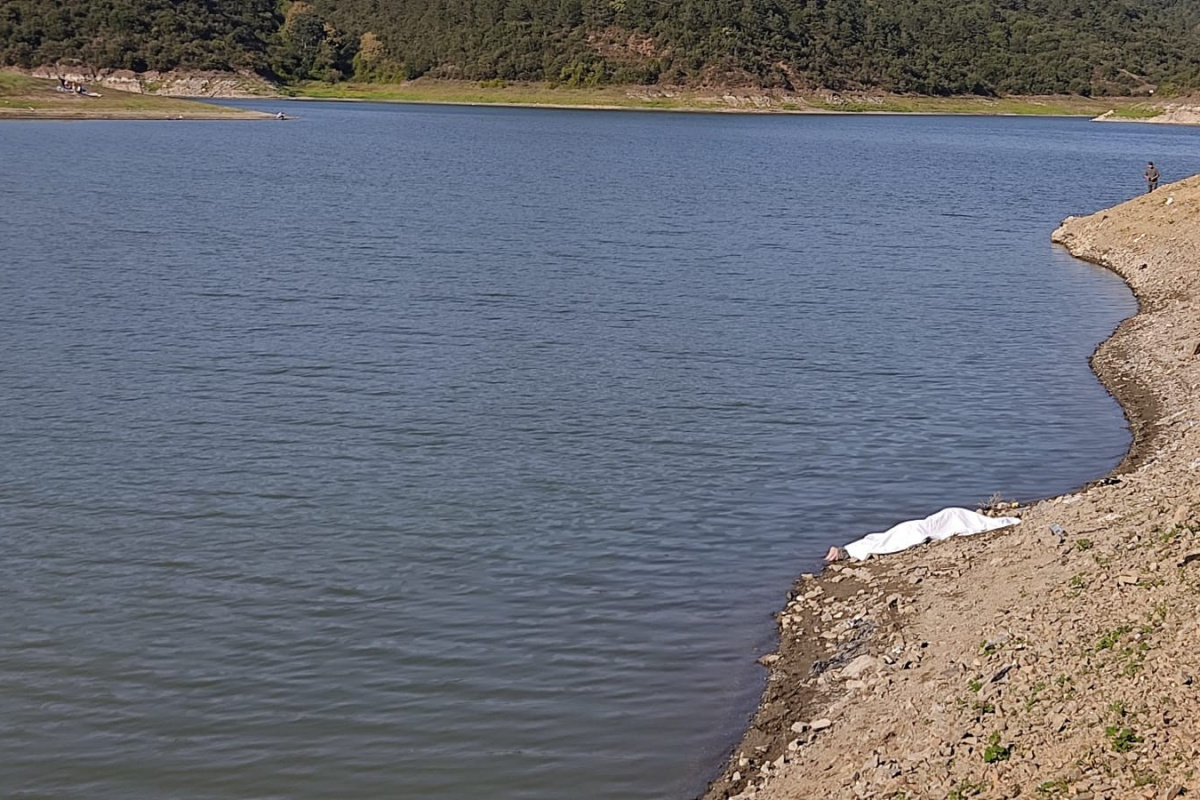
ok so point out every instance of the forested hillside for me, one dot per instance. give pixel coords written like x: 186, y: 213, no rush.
x: 923, y: 46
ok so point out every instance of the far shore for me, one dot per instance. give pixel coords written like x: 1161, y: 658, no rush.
x: 27, y: 98
x: 1054, y: 659
x: 26, y: 94
x: 717, y: 100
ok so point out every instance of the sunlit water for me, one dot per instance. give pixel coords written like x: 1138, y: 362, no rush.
x: 453, y: 453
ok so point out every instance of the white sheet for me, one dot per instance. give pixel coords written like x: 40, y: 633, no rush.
x: 936, y: 527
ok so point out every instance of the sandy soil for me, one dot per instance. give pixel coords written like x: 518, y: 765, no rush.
x: 1058, y: 658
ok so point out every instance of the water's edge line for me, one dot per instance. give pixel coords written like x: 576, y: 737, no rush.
x: 1144, y: 411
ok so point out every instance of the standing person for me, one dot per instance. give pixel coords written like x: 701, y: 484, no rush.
x: 1151, y: 177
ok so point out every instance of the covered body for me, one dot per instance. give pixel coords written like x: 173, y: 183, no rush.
x: 942, y: 525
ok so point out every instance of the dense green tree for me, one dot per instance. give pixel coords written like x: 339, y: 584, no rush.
x: 925, y: 46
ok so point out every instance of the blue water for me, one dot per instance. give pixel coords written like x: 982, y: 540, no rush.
x: 425, y: 452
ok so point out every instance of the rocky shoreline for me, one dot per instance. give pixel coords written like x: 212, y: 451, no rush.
x: 225, y: 85
x: 1056, y: 659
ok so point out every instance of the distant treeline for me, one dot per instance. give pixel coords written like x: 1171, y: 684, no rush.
x: 922, y: 46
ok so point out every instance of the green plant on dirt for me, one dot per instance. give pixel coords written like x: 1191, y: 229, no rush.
x: 1137, y: 112
x: 1033, y: 698
x: 982, y: 707
x: 995, y: 751
x: 1123, y: 739
x: 966, y: 789
x: 1083, y: 545
x: 1109, y: 640
x: 975, y: 684
x: 1054, y: 788
x: 1135, y: 658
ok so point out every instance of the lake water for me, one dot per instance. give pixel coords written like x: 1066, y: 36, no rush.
x: 428, y: 452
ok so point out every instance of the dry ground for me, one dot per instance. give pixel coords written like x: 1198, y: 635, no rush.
x: 24, y: 97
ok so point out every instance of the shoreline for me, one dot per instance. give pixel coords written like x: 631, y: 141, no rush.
x: 731, y: 101
x: 117, y: 116
x: 23, y: 97
x: 1022, y: 662
x: 811, y: 111
x: 151, y: 88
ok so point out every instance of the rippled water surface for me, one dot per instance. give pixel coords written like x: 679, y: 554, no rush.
x: 452, y: 453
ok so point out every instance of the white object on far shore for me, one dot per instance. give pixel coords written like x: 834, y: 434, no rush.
x: 936, y: 527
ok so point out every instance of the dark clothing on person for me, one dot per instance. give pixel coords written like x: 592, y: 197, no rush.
x: 1151, y: 177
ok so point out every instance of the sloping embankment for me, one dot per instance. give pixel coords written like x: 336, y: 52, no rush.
x: 1038, y: 661
x: 244, y: 85
x: 1169, y: 114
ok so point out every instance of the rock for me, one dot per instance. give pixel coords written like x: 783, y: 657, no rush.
x: 822, y: 724
x: 799, y: 727
x: 1171, y: 792
x: 768, y: 659
x: 1127, y: 580
x: 1001, y: 673
x: 858, y: 666
x: 997, y: 642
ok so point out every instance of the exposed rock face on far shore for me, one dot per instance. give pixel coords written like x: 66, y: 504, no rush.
x: 1057, y: 659
x: 1171, y: 114
x: 167, y: 84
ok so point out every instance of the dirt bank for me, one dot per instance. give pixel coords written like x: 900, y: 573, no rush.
x: 1060, y: 658
x: 25, y: 97
x: 1186, y: 113
x: 243, y: 85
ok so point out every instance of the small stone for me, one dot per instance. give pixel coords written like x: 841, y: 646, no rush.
x: 799, y: 727
x: 822, y: 724
x: 736, y: 777
x: 858, y: 666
